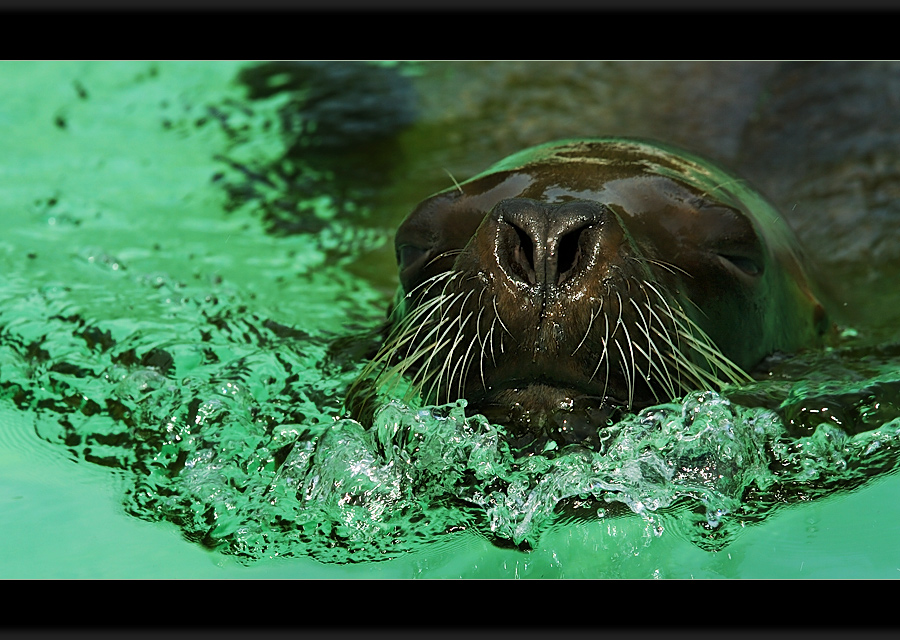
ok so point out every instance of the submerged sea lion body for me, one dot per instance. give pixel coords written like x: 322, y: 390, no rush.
x: 581, y: 276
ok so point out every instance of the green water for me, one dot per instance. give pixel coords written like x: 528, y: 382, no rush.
x: 172, y: 374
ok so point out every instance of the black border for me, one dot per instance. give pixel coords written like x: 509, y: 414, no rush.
x: 449, y: 30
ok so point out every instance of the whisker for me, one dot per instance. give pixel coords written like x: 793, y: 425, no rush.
x: 427, y: 283
x: 445, y: 254
x: 455, y: 183
x: 497, y: 314
x: 624, y: 365
x: 668, y: 266
x: 491, y: 340
x: 707, y: 349
x: 590, y: 324
x: 459, y: 363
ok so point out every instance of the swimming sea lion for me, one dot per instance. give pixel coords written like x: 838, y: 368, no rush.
x: 581, y: 277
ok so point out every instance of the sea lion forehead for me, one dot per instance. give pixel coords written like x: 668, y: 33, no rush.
x: 587, y: 168
x: 567, y: 169
x: 629, y: 154
x: 634, y: 175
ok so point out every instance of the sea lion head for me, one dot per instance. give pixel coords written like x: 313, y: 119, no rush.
x: 585, y: 276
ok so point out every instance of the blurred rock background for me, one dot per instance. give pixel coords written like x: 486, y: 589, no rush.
x: 818, y: 138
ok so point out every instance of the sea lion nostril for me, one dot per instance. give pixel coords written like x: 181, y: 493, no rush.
x: 522, y: 238
x: 569, y: 254
x: 523, y: 256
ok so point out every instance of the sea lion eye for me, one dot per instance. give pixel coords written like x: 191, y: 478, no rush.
x: 747, y: 265
x: 408, y: 254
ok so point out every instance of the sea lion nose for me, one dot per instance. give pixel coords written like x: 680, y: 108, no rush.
x: 544, y: 244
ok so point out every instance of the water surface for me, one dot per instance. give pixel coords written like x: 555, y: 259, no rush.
x: 173, y: 360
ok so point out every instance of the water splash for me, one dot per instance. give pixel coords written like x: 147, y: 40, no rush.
x: 228, y: 424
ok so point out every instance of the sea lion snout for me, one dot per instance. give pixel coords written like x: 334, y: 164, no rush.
x: 545, y: 245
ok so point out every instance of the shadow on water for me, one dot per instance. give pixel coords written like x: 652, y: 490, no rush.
x: 225, y: 412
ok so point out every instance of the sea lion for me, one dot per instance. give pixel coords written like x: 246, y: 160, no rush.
x: 583, y: 277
